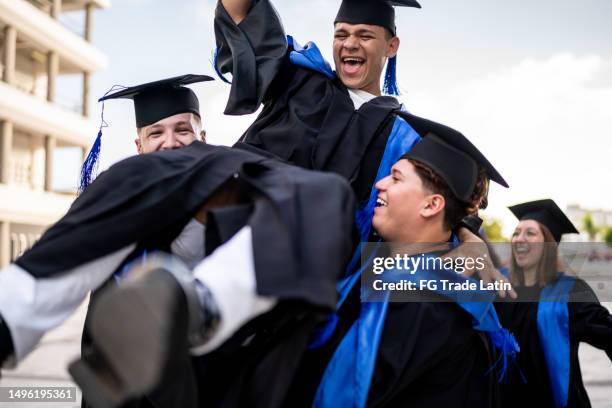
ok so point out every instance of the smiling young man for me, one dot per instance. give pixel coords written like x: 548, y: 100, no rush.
x: 167, y: 113
x: 360, y: 54
x: 173, y: 132
x: 167, y: 117
x: 315, y: 117
x: 400, y: 350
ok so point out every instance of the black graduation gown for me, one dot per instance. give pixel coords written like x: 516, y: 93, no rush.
x: 588, y: 321
x: 301, y: 220
x: 301, y: 223
x: 429, y: 356
x: 307, y: 118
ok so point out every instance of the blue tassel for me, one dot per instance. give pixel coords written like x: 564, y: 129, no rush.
x: 507, y: 347
x: 90, y: 166
x: 216, y: 67
x: 390, y: 85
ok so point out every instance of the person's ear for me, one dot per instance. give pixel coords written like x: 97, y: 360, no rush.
x: 393, y: 47
x: 138, y: 145
x: 432, y: 205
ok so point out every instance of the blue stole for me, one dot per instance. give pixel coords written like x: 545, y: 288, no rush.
x: 402, y: 138
x: 347, y: 378
x: 553, y: 333
x: 553, y: 330
x: 309, y: 57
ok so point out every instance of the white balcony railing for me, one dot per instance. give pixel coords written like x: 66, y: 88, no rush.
x: 35, y: 115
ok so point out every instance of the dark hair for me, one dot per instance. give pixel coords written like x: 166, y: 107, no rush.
x: 454, y: 210
x: 547, y: 265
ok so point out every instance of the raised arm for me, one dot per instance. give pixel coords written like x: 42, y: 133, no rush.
x: 237, y: 9
x: 252, y: 47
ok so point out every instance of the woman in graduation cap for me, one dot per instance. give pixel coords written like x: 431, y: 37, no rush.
x: 552, y: 315
x: 386, y: 351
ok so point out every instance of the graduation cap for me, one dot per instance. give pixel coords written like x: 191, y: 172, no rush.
x: 373, y: 12
x: 547, y: 213
x: 157, y: 100
x: 452, y: 156
x: 380, y: 13
x: 153, y: 102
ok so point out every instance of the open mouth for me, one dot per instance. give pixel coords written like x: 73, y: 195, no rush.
x: 352, y: 65
x: 522, y: 249
x: 380, y: 202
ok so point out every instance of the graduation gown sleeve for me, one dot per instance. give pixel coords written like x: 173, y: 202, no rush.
x: 589, y: 320
x: 253, y: 52
x: 118, y: 208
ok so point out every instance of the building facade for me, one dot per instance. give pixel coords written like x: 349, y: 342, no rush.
x: 601, y: 219
x: 38, y: 49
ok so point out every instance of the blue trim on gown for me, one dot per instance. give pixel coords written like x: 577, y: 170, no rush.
x: 309, y: 57
x: 553, y: 331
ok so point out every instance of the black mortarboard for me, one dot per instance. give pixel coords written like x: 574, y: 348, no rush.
x: 153, y: 102
x: 452, y: 156
x: 374, y: 12
x: 547, y: 213
x: 157, y: 100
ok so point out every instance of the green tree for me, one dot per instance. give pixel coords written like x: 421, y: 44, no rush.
x: 589, y: 226
x: 493, y: 230
x: 608, y: 236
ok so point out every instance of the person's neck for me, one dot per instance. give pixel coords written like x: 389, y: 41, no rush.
x: 371, y: 89
x: 434, y: 236
x: 530, y: 276
x: 428, y: 240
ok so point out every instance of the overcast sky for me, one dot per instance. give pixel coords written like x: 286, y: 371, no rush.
x: 530, y: 85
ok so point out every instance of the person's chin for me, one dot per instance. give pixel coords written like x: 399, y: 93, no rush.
x: 352, y: 82
x: 524, y: 263
x: 375, y: 221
